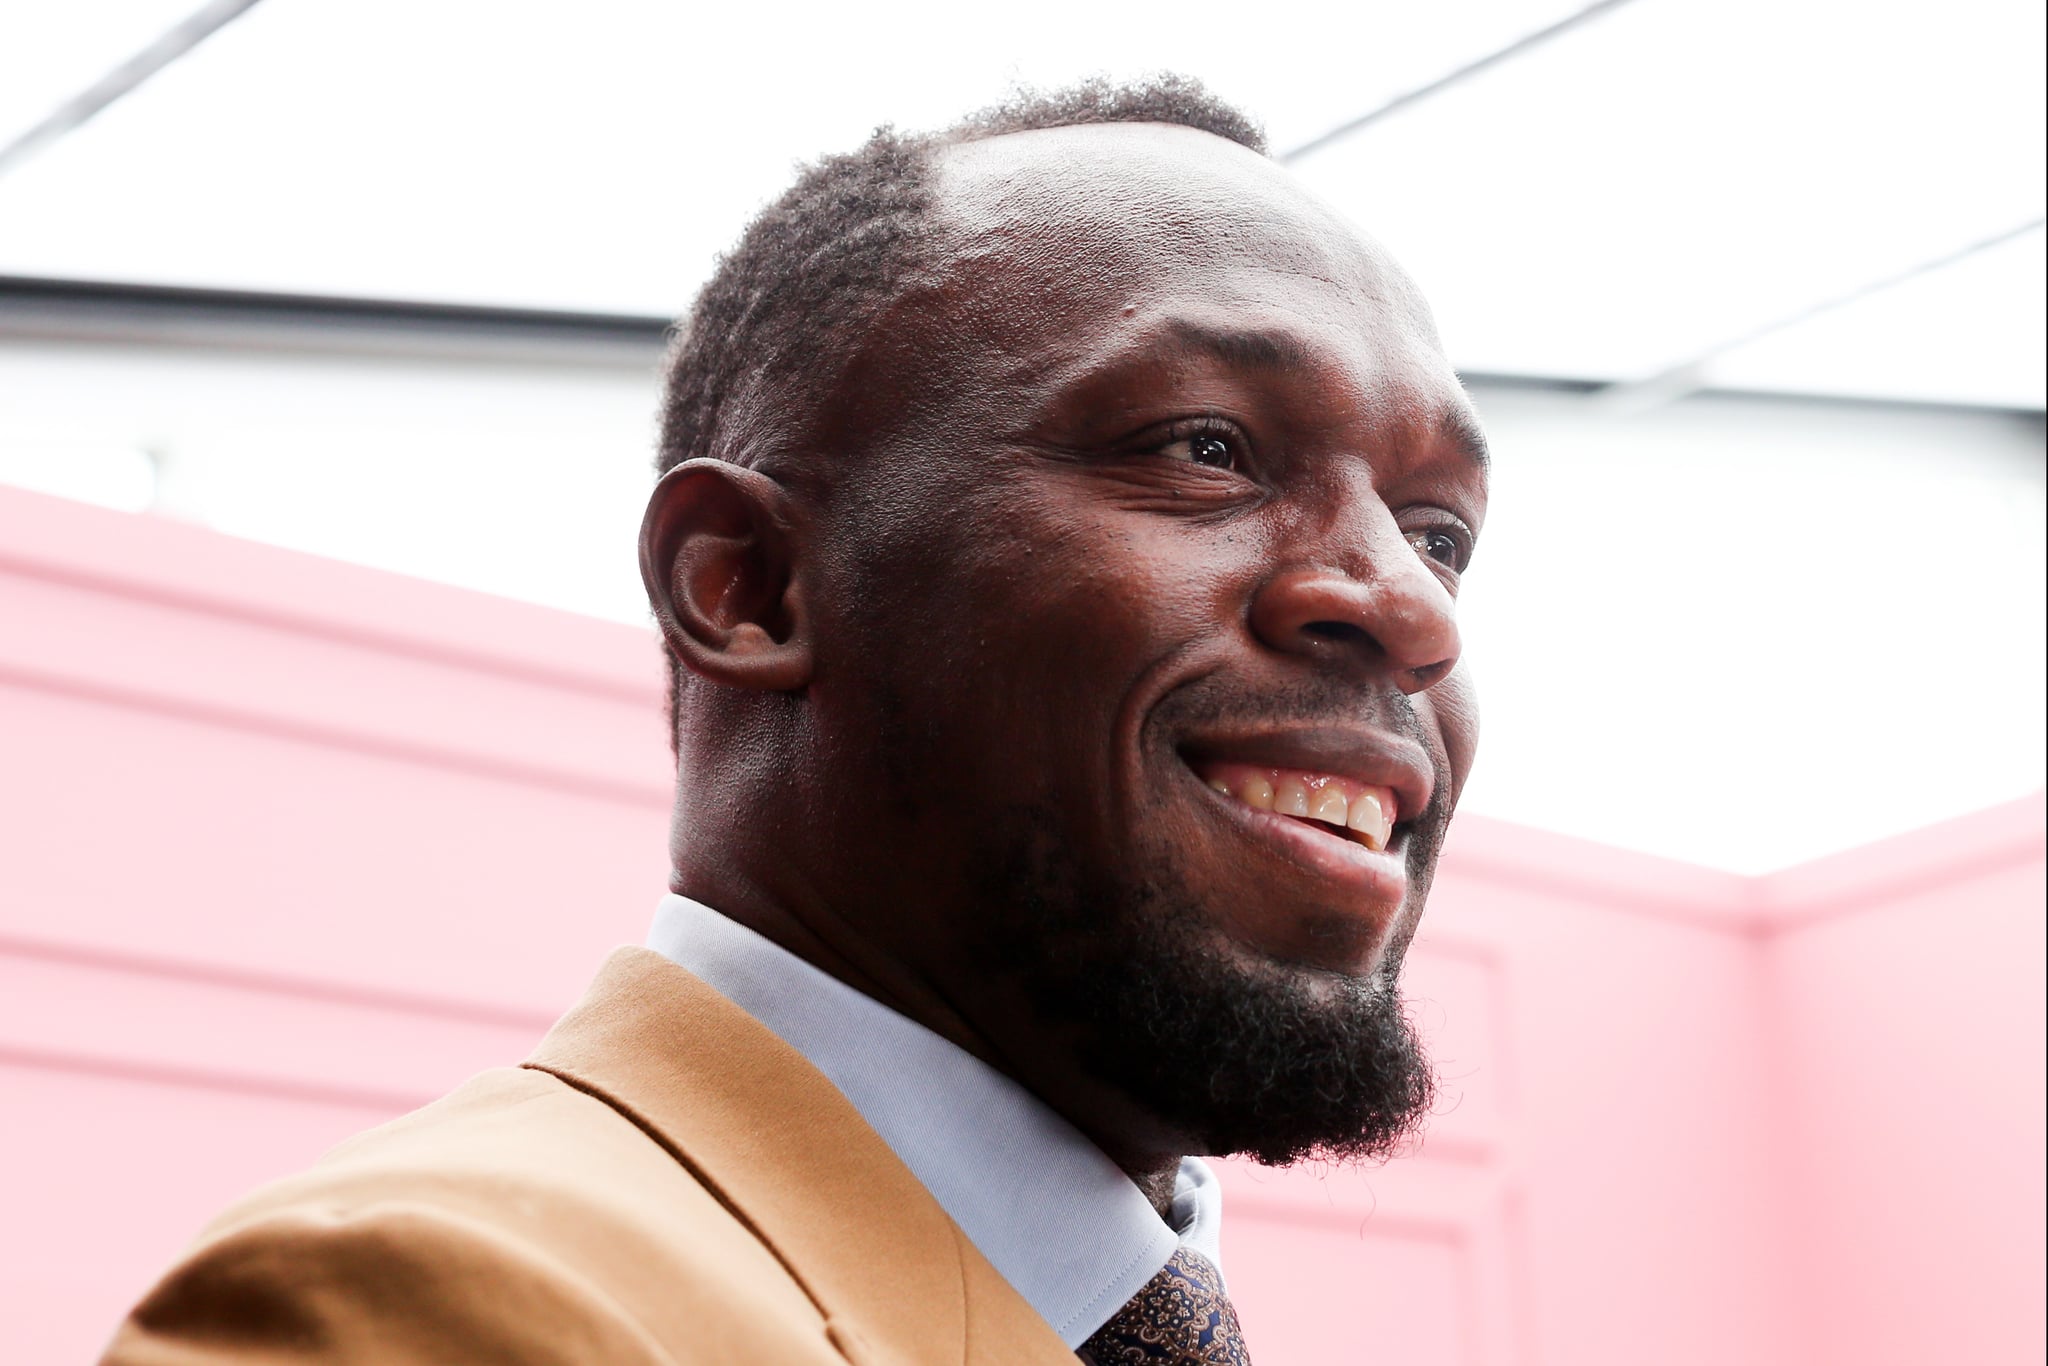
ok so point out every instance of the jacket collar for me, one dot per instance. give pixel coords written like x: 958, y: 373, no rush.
x: 1062, y: 1223
x: 778, y: 1144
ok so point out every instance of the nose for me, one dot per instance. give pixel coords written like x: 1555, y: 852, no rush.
x: 1397, y: 620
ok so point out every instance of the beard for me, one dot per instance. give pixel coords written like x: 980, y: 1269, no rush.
x: 1265, y: 1059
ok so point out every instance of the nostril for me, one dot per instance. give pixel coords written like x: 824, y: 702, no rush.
x: 1432, y: 674
x: 1344, y: 632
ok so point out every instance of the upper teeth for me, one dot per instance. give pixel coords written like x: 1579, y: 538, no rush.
x: 1367, y: 811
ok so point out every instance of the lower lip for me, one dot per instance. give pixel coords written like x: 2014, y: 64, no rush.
x: 1370, y: 878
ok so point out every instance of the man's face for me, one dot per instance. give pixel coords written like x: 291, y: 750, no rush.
x: 1154, y: 534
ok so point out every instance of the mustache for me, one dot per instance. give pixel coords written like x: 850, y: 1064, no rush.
x: 1313, y: 700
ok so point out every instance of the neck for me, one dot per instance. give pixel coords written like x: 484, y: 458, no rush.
x: 1158, y: 1185
x: 808, y: 927
x: 828, y: 942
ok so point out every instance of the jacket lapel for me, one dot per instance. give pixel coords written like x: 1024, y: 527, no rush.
x: 780, y: 1146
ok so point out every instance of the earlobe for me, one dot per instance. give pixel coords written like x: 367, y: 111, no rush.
x: 718, y: 555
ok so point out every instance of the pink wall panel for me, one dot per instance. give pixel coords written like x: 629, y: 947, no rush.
x: 1330, y: 1286
x: 291, y: 846
x: 1911, y: 1059
x: 1644, y: 1180
x: 107, y: 1176
x: 217, y: 843
x: 282, y: 1039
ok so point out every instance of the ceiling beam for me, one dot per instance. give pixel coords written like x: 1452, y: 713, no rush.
x: 92, y: 311
x: 172, y: 44
x: 1695, y: 372
x: 1466, y: 72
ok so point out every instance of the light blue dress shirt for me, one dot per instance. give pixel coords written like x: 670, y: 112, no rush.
x: 1056, y: 1217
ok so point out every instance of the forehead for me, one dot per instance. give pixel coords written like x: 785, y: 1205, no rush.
x: 1054, y: 240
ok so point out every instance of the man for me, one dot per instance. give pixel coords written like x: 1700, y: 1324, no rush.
x: 1056, y: 551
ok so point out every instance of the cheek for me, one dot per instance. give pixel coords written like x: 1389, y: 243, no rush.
x: 1453, y: 705
x: 1027, y: 609
x: 1101, y: 624
x: 1090, y: 592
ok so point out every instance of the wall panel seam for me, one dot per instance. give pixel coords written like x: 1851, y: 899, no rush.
x: 1793, y: 914
x: 339, y: 738
x: 385, y: 1103
x: 637, y: 693
x: 292, y: 988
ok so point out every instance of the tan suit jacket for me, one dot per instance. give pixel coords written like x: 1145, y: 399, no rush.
x: 664, y: 1181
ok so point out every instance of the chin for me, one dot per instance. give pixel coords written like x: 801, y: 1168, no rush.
x: 1325, y: 948
x: 1280, y: 1046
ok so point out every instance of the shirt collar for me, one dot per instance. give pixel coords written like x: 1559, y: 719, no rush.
x: 1062, y: 1223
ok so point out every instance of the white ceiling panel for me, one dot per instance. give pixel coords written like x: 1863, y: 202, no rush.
x: 1638, y: 193
x: 51, y: 52
x: 597, y: 158
x: 1679, y: 173
x: 1971, y: 332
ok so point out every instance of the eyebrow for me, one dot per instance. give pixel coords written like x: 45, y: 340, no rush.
x: 1460, y: 427
x: 1260, y: 349
x: 1256, y: 349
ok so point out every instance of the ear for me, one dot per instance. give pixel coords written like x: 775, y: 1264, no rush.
x: 718, y: 557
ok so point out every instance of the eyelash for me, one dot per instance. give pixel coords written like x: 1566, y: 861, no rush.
x: 1460, y: 538
x: 1230, y: 434
x: 1195, y: 429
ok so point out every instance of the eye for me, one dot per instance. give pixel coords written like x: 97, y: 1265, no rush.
x: 1214, y: 449
x: 1441, y: 546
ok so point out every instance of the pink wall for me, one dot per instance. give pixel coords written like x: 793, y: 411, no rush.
x: 1909, y: 1073
x: 291, y: 846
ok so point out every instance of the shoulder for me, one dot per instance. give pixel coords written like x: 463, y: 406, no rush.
x: 516, y: 1219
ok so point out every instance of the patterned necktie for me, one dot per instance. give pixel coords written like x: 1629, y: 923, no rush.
x: 1179, y: 1318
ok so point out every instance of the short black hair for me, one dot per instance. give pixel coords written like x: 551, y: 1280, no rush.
x: 786, y: 309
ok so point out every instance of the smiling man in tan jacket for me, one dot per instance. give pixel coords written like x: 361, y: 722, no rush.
x: 1057, y: 549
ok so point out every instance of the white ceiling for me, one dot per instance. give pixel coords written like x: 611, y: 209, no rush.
x: 1683, y: 173
x: 1646, y: 191
x: 49, y: 54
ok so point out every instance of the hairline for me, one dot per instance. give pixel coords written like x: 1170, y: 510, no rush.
x: 930, y: 261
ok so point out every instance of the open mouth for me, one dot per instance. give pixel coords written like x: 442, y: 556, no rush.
x: 1333, y: 805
